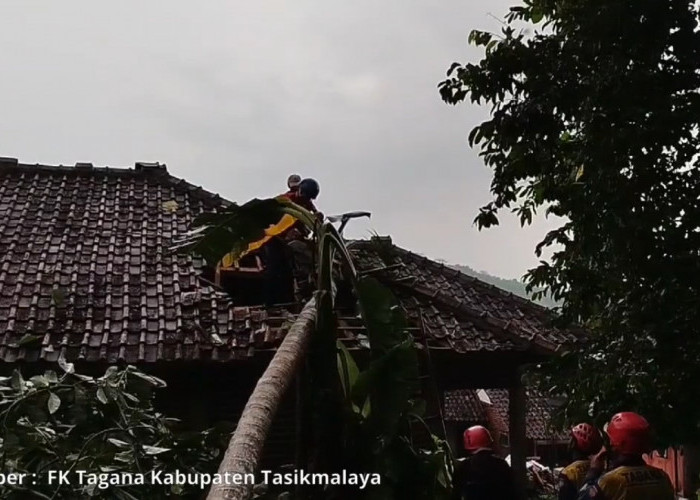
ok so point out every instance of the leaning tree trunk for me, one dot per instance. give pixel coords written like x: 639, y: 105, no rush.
x: 246, y: 445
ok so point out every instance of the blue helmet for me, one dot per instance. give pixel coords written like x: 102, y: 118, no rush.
x: 309, y: 188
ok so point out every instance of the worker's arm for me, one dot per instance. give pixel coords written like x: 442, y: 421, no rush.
x: 591, y: 492
x: 591, y: 488
x: 566, y: 490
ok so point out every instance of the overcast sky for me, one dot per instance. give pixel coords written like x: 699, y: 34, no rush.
x: 234, y: 96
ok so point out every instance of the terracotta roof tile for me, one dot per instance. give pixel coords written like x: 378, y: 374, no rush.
x: 464, y: 406
x: 538, y: 419
x: 85, y: 273
x: 460, y: 311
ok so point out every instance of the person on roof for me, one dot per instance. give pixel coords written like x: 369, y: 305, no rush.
x: 306, y: 191
x: 293, y: 182
x: 585, y: 441
x: 288, y: 256
x: 304, y: 195
x: 629, y: 478
x: 482, y: 475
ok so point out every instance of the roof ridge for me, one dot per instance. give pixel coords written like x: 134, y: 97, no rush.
x: 140, y: 169
x: 472, y: 279
x: 466, y: 277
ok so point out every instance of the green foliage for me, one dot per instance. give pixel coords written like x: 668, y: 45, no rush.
x: 233, y: 229
x: 360, y: 420
x: 72, y: 422
x: 377, y: 405
x: 595, y: 119
x: 381, y: 404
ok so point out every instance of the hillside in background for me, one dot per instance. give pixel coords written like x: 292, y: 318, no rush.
x: 509, y: 285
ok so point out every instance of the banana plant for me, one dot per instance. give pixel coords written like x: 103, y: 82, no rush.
x: 360, y: 419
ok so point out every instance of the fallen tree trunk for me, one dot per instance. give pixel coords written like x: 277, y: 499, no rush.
x: 246, y: 445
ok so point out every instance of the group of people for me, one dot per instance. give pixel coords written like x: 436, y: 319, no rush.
x: 606, y: 465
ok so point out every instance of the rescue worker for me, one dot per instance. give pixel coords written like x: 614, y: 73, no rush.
x: 296, y: 238
x: 585, y: 441
x: 288, y: 256
x: 482, y: 475
x: 293, y: 183
x: 629, y: 478
x: 306, y: 191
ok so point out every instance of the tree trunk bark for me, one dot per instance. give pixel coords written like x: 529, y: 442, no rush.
x: 246, y: 445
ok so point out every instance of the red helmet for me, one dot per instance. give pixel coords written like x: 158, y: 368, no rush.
x: 477, y: 438
x: 587, y: 438
x: 629, y: 433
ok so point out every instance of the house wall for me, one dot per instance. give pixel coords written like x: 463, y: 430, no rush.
x: 202, y: 397
x: 551, y: 453
x: 673, y: 463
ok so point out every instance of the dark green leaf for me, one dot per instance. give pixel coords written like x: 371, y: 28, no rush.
x: 154, y: 450
x: 29, y: 340
x: 101, y: 396
x: 17, y: 381
x: 347, y: 368
x: 54, y: 403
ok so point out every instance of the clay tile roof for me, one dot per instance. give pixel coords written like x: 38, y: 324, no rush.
x: 538, y: 418
x: 461, y: 312
x: 85, y: 273
x: 464, y: 406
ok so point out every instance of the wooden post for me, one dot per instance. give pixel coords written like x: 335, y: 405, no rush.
x: 301, y: 424
x: 691, y: 466
x: 518, y: 440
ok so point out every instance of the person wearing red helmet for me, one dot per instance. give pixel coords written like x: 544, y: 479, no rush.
x: 482, y: 476
x: 293, y: 182
x: 585, y: 441
x: 629, y: 477
x: 289, y: 255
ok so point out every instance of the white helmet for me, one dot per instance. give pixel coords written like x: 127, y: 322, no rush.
x: 293, y: 181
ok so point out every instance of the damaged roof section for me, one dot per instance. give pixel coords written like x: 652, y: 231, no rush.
x: 85, y: 273
x: 464, y: 405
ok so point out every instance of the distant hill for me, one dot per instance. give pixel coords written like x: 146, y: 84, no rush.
x: 514, y: 286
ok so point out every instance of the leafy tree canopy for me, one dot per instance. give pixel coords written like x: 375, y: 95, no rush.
x: 595, y: 112
x: 71, y: 422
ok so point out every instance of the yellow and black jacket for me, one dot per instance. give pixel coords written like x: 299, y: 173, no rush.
x: 572, y: 478
x: 633, y: 480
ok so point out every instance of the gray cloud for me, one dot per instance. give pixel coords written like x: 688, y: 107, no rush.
x: 234, y: 96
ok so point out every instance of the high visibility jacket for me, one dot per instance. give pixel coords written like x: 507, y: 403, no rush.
x: 631, y: 482
x: 576, y: 472
x: 285, y: 223
x: 572, y: 478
